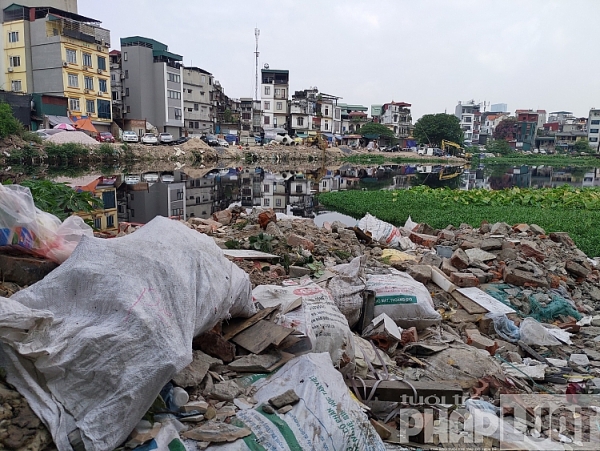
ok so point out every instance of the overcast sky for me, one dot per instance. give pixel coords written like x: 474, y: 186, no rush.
x: 538, y: 54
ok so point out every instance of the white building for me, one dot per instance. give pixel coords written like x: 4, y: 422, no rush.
x: 469, y: 114
x: 274, y: 98
x: 593, y: 127
x: 396, y: 116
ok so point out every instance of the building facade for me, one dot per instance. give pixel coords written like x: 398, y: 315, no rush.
x: 197, y: 101
x: 152, y: 84
x: 56, y: 52
x: 274, y: 97
x: 397, y: 117
x: 469, y: 115
x: 303, y: 110
x: 593, y: 129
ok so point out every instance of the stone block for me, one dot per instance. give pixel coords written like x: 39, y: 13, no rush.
x: 420, y: 273
x: 444, y: 251
x: 523, y: 278
x: 299, y: 271
x: 521, y: 228
x: 475, y: 339
x: 423, y: 240
x: 491, y: 244
x: 530, y: 249
x: 576, y: 269
x: 459, y: 259
x: 447, y: 267
x: 24, y: 270
x: 223, y: 217
x: 562, y: 238
x: 579, y: 360
x: 447, y: 235
x: 298, y: 241
x: 285, y: 399
x: 432, y: 259
x: 194, y: 373
x: 537, y: 229
x: 500, y: 228
x: 226, y: 391
x: 469, y: 244
x: 464, y: 280
x: 477, y: 254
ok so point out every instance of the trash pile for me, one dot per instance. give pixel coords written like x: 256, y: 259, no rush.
x: 370, y: 337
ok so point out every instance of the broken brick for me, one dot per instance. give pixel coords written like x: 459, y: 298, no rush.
x: 459, y: 259
x: 423, y: 240
x: 577, y: 269
x: 298, y: 241
x: 562, y: 238
x: 464, y: 280
x: 409, y: 336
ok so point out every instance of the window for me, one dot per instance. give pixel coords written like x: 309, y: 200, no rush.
x: 73, y: 81
x: 115, y: 95
x: 279, y: 106
x: 87, y: 59
x: 126, y: 73
x: 174, y: 77
x: 279, y: 92
x: 132, y: 213
x: 177, y: 113
x: 15, y: 61
x: 266, y: 188
x: 326, y: 111
x: 103, y: 85
x: 196, y: 124
x: 246, y: 116
x: 88, y: 83
x: 104, y: 109
x: 90, y: 106
x: 266, y: 202
x: 267, y: 105
x: 593, y: 130
x: 467, y: 119
x: 337, y: 113
x: 74, y: 104
x: 278, y: 202
x: 112, y: 77
x: 124, y: 56
x: 101, y: 63
x: 71, y: 56
x: 267, y: 120
x: 173, y: 94
x: 16, y: 86
x: 179, y: 194
x: 267, y: 90
x: 324, y: 183
x: 108, y: 199
x: 129, y: 111
x: 326, y: 125
x: 98, y: 223
x: 110, y: 221
x: 300, y: 121
x: 299, y: 189
x: 13, y: 36
x: 126, y: 92
x: 595, y: 122
x: 593, y: 140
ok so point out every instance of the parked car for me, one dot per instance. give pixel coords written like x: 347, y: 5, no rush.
x: 210, y: 140
x: 130, y: 137
x: 150, y: 177
x: 165, y: 138
x: 105, y: 137
x: 222, y: 143
x: 182, y: 140
x: 149, y: 138
x: 132, y: 179
x: 167, y: 178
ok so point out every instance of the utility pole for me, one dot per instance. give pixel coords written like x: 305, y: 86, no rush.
x: 256, y: 54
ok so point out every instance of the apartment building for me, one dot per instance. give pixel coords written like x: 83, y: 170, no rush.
x: 274, y: 97
x: 469, y: 115
x: 57, y: 52
x: 198, y: 111
x: 397, y: 117
x: 152, y: 84
x: 593, y: 128
x: 303, y: 110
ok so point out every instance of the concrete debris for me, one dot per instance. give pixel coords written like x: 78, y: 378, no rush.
x: 528, y: 280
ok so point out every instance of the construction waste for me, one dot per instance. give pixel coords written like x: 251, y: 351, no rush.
x: 256, y: 331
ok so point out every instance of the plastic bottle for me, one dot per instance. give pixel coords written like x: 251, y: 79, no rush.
x: 180, y: 397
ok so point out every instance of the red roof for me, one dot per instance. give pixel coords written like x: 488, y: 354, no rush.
x: 358, y: 113
x: 402, y: 104
x: 114, y: 52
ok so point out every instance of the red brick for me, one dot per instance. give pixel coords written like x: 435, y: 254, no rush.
x: 459, y: 259
x: 215, y: 345
x: 521, y: 228
x: 523, y: 278
x: 528, y: 250
x: 409, y: 336
x: 475, y: 339
x: 224, y: 217
x: 563, y: 238
x: 265, y: 217
x: 464, y: 280
x: 423, y: 240
x: 298, y: 241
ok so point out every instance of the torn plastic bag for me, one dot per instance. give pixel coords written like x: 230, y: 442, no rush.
x: 29, y: 229
x: 327, y: 416
x: 534, y: 333
x: 92, y: 344
x: 346, y: 288
x: 403, y: 299
x: 504, y: 327
x: 323, y: 326
x: 381, y: 231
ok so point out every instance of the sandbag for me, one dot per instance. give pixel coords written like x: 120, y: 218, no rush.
x: 381, y: 231
x: 403, y: 299
x: 346, y: 288
x: 327, y: 416
x: 29, y: 229
x: 324, y: 327
x: 92, y: 344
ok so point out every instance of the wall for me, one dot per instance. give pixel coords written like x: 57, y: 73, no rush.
x: 138, y: 61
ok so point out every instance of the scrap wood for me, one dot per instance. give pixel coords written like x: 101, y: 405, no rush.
x: 471, y: 307
x: 261, y: 335
x: 235, y: 327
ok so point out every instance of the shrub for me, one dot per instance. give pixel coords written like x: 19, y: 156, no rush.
x: 31, y: 137
x: 9, y: 125
x: 67, y: 151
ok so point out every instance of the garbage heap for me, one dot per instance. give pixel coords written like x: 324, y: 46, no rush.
x: 367, y: 337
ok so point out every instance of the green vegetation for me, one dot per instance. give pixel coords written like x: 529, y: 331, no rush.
x: 66, y: 152
x: 107, y: 151
x: 9, y: 125
x: 431, y: 129
x: 31, y: 137
x: 60, y: 199
x: 499, y: 146
x: 564, y: 209
x: 547, y: 160
x: 372, y: 128
x: 369, y: 159
x: 506, y: 129
x: 583, y: 145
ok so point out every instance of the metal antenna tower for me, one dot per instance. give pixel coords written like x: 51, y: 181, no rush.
x: 256, y: 53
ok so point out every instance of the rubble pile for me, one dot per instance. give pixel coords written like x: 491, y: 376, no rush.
x: 360, y: 330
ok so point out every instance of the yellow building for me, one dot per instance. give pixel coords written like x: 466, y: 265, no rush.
x: 51, y: 51
x: 103, y: 219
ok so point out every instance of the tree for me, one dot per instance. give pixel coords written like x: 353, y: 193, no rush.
x: 8, y: 124
x: 373, y: 128
x: 582, y: 145
x: 433, y: 128
x: 499, y: 146
x: 506, y: 129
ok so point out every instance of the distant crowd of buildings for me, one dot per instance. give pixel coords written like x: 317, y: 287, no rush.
x: 58, y: 66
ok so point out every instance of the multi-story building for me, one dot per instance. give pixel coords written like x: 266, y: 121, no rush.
x: 274, y: 96
x: 469, y: 115
x: 593, y: 129
x: 256, y: 116
x: 153, y: 84
x: 353, y: 117
x: 490, y: 120
x: 499, y: 108
x: 376, y: 112
x: 144, y: 201
x: 64, y: 5
x: 116, y: 83
x: 541, y: 115
x: 198, y: 111
x: 329, y: 113
x: 396, y: 116
x: 104, y: 218
x: 561, y: 117
x: 303, y: 110
x: 57, y: 52
x: 274, y: 192
x: 199, y: 193
x: 526, y: 129
x: 246, y: 109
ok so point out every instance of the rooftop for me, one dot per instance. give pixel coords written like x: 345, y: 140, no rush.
x: 19, y: 12
x: 197, y: 69
x: 158, y: 48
